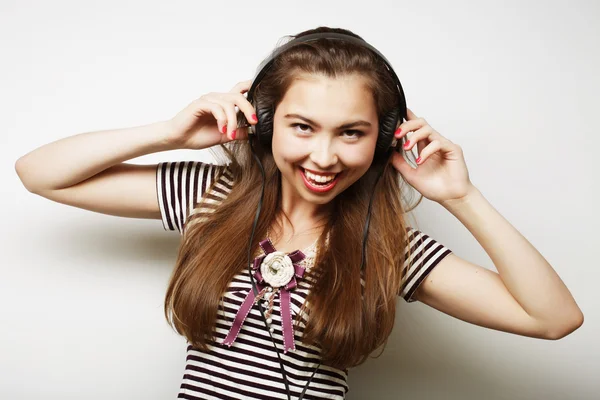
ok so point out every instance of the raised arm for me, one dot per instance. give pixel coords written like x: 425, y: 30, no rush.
x: 526, y: 296
x: 88, y: 170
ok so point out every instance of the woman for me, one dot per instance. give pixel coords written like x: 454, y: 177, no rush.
x: 279, y: 302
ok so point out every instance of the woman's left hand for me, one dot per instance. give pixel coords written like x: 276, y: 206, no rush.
x: 441, y: 174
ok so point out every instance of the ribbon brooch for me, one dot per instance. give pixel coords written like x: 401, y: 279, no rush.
x: 274, y: 272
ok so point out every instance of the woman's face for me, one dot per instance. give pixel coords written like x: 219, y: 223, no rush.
x: 324, y: 136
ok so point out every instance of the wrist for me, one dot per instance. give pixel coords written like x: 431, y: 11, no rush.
x: 163, y: 138
x: 470, y: 196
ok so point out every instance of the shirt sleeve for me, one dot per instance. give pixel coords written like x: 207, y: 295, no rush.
x: 180, y: 185
x: 425, y: 254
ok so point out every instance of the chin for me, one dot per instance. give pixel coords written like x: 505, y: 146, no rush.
x: 320, y: 200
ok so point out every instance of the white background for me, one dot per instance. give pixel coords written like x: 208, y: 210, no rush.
x: 514, y: 83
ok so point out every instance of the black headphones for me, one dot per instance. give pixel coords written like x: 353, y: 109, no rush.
x: 387, y: 122
x: 263, y: 129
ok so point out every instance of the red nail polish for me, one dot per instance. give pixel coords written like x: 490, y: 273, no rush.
x: 418, y: 160
x: 407, y: 144
x: 233, y: 135
x: 397, y: 131
x: 254, y: 117
x: 224, y: 128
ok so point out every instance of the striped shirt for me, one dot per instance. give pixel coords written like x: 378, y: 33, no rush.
x: 249, y: 369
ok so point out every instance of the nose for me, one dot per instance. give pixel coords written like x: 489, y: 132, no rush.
x: 323, y: 153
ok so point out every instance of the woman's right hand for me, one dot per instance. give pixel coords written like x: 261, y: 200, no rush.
x: 211, y: 119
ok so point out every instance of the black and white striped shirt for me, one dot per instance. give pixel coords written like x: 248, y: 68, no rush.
x: 249, y: 369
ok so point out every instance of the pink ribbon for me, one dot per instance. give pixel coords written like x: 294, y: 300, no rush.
x: 284, y: 298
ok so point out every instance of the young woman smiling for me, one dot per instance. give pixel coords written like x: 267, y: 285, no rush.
x: 321, y: 174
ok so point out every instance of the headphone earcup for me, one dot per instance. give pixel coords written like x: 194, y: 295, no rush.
x: 264, y: 126
x: 387, y: 127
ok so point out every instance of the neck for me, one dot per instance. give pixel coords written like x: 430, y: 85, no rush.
x: 296, y: 208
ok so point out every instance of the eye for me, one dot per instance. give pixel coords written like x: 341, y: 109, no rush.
x: 355, y: 134
x: 303, y: 127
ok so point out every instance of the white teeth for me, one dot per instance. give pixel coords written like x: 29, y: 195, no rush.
x: 319, y: 178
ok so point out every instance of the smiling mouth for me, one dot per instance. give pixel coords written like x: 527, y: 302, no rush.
x: 319, y: 183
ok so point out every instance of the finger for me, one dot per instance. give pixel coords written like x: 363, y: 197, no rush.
x: 405, y: 128
x: 229, y: 109
x: 421, y: 144
x: 241, y: 133
x: 247, y: 110
x: 428, y: 150
x: 417, y: 138
x: 405, y: 169
x: 216, y: 110
x: 241, y: 87
x: 408, y: 126
x: 220, y: 116
x: 433, y: 136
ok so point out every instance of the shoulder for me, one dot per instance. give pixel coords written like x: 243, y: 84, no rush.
x: 182, y: 185
x: 422, y: 254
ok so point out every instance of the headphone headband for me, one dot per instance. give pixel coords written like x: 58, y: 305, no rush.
x: 266, y: 64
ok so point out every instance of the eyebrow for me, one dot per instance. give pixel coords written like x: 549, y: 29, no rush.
x: 344, y: 126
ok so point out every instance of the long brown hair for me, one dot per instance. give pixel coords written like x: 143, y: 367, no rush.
x: 348, y: 321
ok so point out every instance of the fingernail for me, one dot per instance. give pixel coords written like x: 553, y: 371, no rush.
x: 418, y: 160
x: 233, y: 135
x: 254, y: 117
x: 397, y: 131
x: 407, y: 144
x: 224, y: 128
